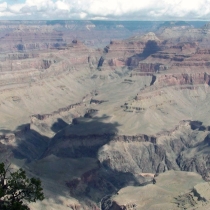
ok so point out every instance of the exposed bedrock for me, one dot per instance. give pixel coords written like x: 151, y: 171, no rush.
x: 154, y: 57
x: 173, y: 150
x: 122, y: 158
x: 88, y: 145
x: 16, y: 65
x: 203, y: 51
x: 134, y: 46
x: 196, y: 64
x: 150, y: 67
x: 137, y: 154
x: 182, y: 79
x: 129, y: 52
x: 31, y: 67
x: 36, y: 70
x: 59, y: 111
x: 173, y: 58
x: 197, y: 158
x: 30, y: 38
x: 19, y: 56
x: 136, y: 158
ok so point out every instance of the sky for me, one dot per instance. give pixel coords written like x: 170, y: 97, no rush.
x: 105, y: 9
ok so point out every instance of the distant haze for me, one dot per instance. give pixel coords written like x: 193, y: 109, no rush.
x: 105, y: 9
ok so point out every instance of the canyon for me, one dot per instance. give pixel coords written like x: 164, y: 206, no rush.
x: 99, y: 110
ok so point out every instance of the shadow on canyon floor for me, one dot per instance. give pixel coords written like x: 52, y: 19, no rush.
x: 99, y: 183
x: 82, y: 139
x: 30, y: 144
x: 59, y: 125
x: 24, y: 143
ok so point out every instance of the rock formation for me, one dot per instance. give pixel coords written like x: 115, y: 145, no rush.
x: 100, y: 123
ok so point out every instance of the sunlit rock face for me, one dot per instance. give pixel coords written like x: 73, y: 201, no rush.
x: 96, y: 124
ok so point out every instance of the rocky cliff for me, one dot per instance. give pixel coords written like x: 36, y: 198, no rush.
x: 96, y: 121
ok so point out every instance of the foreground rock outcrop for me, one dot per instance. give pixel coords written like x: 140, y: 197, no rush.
x: 172, y: 190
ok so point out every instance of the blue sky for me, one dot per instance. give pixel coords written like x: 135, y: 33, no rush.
x: 105, y: 9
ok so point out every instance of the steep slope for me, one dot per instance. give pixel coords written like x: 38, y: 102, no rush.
x: 96, y: 121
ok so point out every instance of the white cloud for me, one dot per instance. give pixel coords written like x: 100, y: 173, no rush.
x: 106, y: 9
x: 62, y: 5
x: 3, y: 6
x: 15, y: 8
